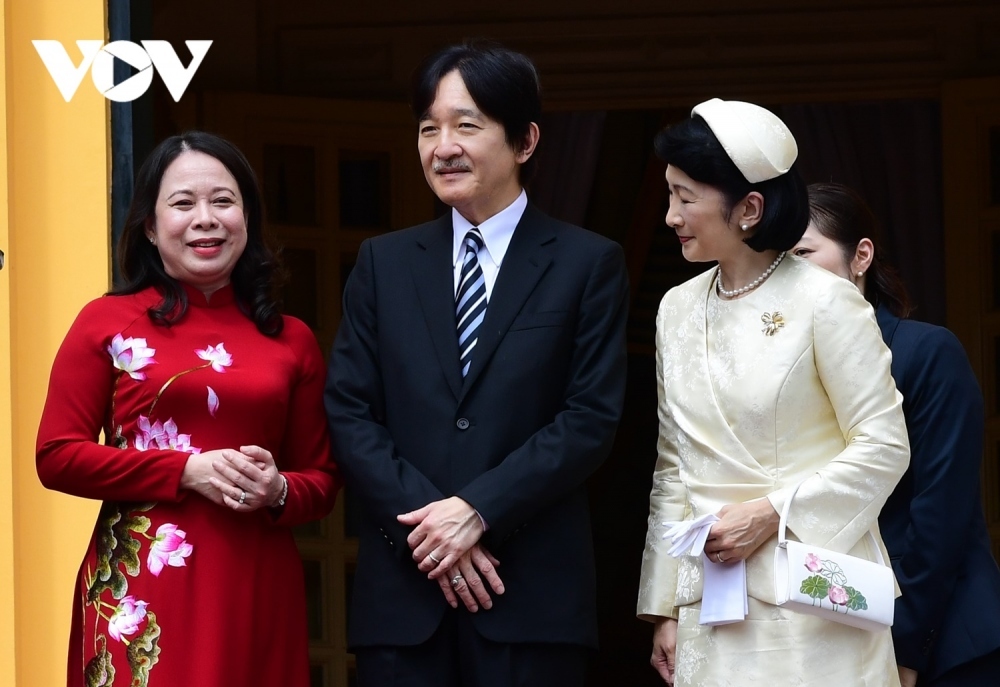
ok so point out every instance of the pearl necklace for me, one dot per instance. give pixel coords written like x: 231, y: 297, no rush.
x: 752, y: 285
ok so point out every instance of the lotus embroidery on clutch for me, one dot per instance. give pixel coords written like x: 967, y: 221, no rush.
x: 772, y: 322
x: 829, y: 583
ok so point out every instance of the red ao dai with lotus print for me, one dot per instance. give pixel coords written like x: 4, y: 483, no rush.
x: 175, y: 589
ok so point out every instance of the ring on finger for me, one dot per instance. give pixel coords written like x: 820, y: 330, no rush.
x: 456, y: 580
x: 434, y: 558
x: 243, y: 496
x: 718, y: 556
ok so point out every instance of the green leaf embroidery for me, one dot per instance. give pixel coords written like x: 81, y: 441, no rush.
x: 856, y: 601
x: 107, y: 576
x: 100, y: 672
x: 143, y: 652
x: 116, y: 547
x: 815, y: 586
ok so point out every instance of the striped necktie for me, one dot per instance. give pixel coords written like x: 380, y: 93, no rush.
x: 470, y: 300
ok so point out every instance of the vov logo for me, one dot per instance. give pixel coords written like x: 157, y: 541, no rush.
x: 100, y: 59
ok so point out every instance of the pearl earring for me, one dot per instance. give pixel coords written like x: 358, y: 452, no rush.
x: 861, y: 274
x: 152, y: 240
x: 745, y: 227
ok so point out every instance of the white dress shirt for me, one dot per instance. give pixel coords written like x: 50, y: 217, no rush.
x: 497, y: 232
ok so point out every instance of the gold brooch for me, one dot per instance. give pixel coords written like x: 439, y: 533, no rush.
x: 772, y: 322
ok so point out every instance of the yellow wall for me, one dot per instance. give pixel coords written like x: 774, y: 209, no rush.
x: 7, y: 665
x: 54, y: 223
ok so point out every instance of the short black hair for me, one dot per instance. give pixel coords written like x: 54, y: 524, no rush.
x: 504, y: 85
x: 694, y: 149
x: 255, y: 276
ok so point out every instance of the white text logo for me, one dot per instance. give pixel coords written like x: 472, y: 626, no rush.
x: 100, y: 59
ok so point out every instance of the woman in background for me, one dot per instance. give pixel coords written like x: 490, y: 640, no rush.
x: 947, y: 622
x: 216, y: 443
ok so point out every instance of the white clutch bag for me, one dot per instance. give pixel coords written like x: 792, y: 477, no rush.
x: 832, y: 585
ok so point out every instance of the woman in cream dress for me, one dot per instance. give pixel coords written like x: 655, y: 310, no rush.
x: 771, y: 372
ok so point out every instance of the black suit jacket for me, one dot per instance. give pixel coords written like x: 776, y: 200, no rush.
x: 516, y: 438
x: 933, y: 524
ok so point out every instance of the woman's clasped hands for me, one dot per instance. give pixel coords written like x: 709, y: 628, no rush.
x: 244, y: 480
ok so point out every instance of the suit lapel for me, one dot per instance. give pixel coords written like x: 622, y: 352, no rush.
x: 433, y: 276
x: 524, y: 264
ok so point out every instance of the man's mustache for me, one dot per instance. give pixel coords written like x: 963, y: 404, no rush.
x: 450, y: 166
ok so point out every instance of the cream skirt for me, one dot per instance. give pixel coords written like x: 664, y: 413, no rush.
x: 775, y: 647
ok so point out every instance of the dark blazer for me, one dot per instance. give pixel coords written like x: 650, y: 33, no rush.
x: 516, y: 438
x: 933, y: 524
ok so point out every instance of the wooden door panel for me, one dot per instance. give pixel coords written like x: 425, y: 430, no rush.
x: 971, y: 129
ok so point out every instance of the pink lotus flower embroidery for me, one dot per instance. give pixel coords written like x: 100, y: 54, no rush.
x: 213, y: 402
x: 813, y: 563
x: 131, y: 355
x: 217, y: 356
x: 168, y: 548
x: 838, y: 595
x: 162, y: 436
x: 126, y: 618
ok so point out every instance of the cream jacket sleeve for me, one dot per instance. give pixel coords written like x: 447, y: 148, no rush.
x: 667, y: 503
x: 854, y: 368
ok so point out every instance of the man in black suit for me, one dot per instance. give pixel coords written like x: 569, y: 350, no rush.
x: 476, y: 382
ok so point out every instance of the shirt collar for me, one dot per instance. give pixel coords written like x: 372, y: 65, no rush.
x: 497, y: 231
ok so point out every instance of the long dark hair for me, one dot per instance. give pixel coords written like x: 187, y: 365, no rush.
x: 842, y: 216
x: 254, y: 277
x: 692, y: 147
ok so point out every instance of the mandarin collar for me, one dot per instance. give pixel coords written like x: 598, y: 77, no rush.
x: 223, y: 297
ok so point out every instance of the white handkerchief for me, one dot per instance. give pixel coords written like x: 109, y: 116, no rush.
x: 724, y: 599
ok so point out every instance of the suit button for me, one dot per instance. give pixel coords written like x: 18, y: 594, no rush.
x: 462, y: 423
